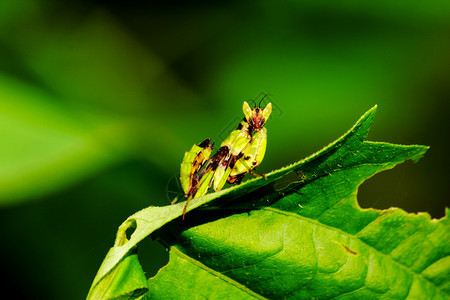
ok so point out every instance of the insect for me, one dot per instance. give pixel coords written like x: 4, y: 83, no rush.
x: 241, y: 152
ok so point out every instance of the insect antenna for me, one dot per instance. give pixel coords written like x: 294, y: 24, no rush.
x: 254, y: 103
x: 259, y: 104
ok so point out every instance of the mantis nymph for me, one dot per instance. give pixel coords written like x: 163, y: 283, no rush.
x: 241, y: 152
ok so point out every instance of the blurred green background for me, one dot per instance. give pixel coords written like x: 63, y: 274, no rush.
x: 100, y: 99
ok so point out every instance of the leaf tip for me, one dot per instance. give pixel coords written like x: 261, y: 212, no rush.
x: 363, y: 124
x: 371, y: 111
x: 420, y: 152
x: 369, y: 114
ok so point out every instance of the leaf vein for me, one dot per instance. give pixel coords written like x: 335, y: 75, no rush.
x: 315, y: 222
x: 215, y: 273
x: 251, y: 265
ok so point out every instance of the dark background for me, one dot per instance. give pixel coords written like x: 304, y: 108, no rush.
x: 99, y: 100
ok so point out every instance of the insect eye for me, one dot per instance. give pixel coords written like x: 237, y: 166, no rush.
x: 257, y: 110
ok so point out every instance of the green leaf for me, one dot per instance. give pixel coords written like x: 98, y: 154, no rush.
x: 298, y: 234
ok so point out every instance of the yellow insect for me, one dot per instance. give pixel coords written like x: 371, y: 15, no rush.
x: 241, y: 152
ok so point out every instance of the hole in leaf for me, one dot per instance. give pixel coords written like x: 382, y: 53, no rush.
x: 125, y: 232
x: 130, y: 229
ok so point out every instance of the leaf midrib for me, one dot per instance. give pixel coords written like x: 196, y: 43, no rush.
x: 215, y: 273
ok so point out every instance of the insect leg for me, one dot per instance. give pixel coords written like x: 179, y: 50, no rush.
x: 257, y: 175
